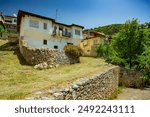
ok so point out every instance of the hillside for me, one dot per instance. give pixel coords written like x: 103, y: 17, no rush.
x: 109, y: 29
x: 113, y: 28
x: 19, y: 80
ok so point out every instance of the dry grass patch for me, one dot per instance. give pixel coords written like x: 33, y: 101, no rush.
x: 18, y: 80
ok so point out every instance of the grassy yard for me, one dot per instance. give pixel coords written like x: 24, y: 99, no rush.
x: 18, y: 80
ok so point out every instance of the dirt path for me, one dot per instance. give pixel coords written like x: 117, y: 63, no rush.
x: 135, y: 94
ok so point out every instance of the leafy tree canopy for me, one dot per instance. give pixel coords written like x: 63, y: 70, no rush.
x: 130, y: 47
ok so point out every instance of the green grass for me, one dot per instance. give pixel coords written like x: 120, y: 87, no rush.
x: 116, y: 92
x: 19, y: 80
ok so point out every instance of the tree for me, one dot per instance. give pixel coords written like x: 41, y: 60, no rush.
x: 144, y: 59
x: 129, y: 43
x: 145, y: 62
x: 104, y: 50
x: 147, y: 24
x: 130, y: 47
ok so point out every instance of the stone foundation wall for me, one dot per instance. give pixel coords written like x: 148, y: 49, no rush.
x: 131, y: 78
x: 34, y: 56
x: 100, y: 86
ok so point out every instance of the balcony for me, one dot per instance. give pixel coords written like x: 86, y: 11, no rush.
x: 61, y: 33
x: 66, y: 34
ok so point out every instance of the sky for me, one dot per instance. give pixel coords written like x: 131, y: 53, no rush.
x: 88, y: 13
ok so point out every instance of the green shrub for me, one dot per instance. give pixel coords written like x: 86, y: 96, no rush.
x: 73, y: 50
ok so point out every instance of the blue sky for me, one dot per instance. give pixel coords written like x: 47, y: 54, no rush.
x: 89, y: 13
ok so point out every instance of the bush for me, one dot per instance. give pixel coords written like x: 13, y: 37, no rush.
x: 104, y: 50
x: 107, y: 52
x: 73, y: 50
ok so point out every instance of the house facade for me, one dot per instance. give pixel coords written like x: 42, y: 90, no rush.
x: 43, y: 32
x: 91, y: 42
x: 10, y: 23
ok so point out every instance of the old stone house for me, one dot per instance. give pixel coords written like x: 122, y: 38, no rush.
x: 10, y: 23
x: 91, y: 42
x: 44, y: 32
x: 42, y: 39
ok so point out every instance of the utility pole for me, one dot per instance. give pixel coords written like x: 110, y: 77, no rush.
x: 56, y: 16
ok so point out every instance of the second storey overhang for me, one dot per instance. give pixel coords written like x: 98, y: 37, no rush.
x: 23, y: 13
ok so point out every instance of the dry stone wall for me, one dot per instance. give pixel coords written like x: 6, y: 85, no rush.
x: 100, y: 86
x: 50, y: 57
x: 131, y: 78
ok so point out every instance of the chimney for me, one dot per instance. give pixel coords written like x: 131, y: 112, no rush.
x: 1, y: 13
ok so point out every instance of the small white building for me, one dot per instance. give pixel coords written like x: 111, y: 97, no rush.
x: 43, y: 32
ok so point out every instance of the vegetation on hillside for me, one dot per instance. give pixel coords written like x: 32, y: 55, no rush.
x: 112, y: 29
x: 130, y: 47
x: 109, y: 29
x: 2, y: 30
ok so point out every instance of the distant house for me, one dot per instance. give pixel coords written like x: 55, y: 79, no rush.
x: 10, y: 23
x: 44, y: 32
x: 91, y: 42
x: 90, y: 34
x: 1, y: 22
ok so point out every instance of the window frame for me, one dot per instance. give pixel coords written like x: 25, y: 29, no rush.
x: 45, y: 26
x: 34, y: 23
x: 55, y: 46
x: 44, y: 42
x: 77, y: 32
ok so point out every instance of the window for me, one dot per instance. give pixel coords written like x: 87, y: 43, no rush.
x: 55, y: 28
x: 77, y: 32
x: 55, y: 47
x: 45, y: 26
x: 34, y: 24
x: 60, y: 30
x: 54, y: 31
x: 15, y: 20
x: 8, y: 21
x: 66, y: 31
x: 45, y: 42
x: 69, y: 43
